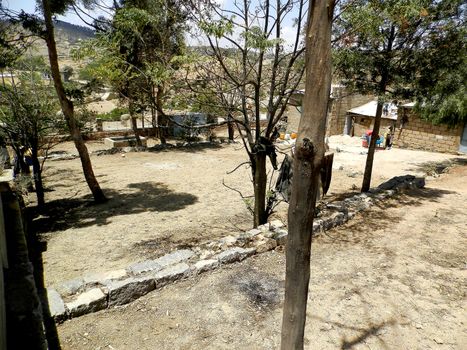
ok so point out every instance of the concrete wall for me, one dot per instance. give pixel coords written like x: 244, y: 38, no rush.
x: 415, y: 133
x: 3, y: 265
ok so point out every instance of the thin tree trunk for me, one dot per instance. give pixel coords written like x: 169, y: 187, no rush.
x: 67, y: 107
x: 309, y: 153
x: 371, y: 148
x: 134, y: 124
x: 160, y: 117
x: 230, y: 127
x: 36, y: 169
x: 260, y: 181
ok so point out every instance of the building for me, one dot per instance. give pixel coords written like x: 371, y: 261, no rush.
x: 362, y: 118
x: 413, y: 132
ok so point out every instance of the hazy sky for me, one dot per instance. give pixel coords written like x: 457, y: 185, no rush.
x: 29, y: 6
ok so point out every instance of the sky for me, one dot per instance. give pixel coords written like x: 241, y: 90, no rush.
x: 29, y: 6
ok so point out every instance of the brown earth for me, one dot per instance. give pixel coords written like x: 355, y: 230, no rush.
x: 393, y: 277
x: 173, y: 198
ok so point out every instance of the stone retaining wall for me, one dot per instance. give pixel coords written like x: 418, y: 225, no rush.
x: 96, y: 292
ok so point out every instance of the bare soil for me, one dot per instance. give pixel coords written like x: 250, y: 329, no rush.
x: 394, y: 277
x: 173, y: 198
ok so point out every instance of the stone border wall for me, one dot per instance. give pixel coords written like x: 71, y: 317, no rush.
x: 95, y: 292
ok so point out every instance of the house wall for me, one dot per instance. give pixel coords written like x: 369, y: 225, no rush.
x: 415, y: 133
x: 340, y: 104
x: 362, y: 124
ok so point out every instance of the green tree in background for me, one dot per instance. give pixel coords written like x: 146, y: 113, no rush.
x: 380, y: 47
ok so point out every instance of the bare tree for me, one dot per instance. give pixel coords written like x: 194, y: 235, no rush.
x: 257, y: 66
x: 308, y: 160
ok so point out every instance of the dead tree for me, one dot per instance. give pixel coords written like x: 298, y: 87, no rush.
x: 309, y: 154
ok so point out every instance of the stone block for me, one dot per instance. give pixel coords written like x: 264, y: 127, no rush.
x: 206, y: 265
x: 70, y: 287
x: 228, y: 241
x: 174, y: 257
x: 171, y: 273
x: 317, y: 226
x: 87, y: 302
x: 264, y: 245
x: 264, y: 228
x: 281, y: 237
x: 56, y: 304
x: 125, y: 291
x: 235, y: 254
x: 102, y: 277
x: 144, y: 266
x: 276, y: 224
x: 252, y: 233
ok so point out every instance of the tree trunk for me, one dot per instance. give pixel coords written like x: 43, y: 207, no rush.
x: 67, y: 107
x: 134, y: 124
x: 37, y: 172
x: 230, y: 128
x: 371, y: 148
x: 160, y: 117
x: 309, y: 153
x: 260, y: 181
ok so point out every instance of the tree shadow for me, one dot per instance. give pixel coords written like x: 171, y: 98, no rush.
x: 80, y: 212
x: 435, y: 168
x: 361, y: 228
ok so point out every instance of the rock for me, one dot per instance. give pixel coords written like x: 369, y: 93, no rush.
x: 144, y: 266
x: 171, y: 274
x: 175, y: 257
x: 123, y: 292
x: 276, y: 224
x: 206, y: 254
x: 317, y: 226
x: 90, y: 301
x: 235, y: 254
x: 206, y: 265
x: 340, y: 167
x: 101, y: 278
x: 56, y: 304
x: 252, y: 233
x: 70, y: 287
x: 265, y: 245
x: 268, y: 234
x: 281, y: 237
x: 264, y: 228
x: 228, y: 241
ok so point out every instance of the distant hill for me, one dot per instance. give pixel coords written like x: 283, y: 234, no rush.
x: 72, y: 32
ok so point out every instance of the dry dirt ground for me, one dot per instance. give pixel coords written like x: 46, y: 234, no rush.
x: 172, y: 198
x: 391, y: 278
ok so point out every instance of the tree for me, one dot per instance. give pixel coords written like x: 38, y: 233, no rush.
x: 139, y: 54
x: 308, y: 159
x: 378, y: 50
x: 46, y: 30
x: 28, y: 117
x: 249, y: 55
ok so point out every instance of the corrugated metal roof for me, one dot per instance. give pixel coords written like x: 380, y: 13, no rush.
x: 369, y: 110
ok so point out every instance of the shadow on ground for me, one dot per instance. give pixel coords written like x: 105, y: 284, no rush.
x: 80, y: 212
x: 436, y: 168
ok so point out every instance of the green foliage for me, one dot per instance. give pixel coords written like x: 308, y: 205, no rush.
x: 403, y: 49
x: 114, y: 114
x: 28, y: 111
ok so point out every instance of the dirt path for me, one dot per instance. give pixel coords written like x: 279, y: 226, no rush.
x: 392, y: 278
x: 168, y: 199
